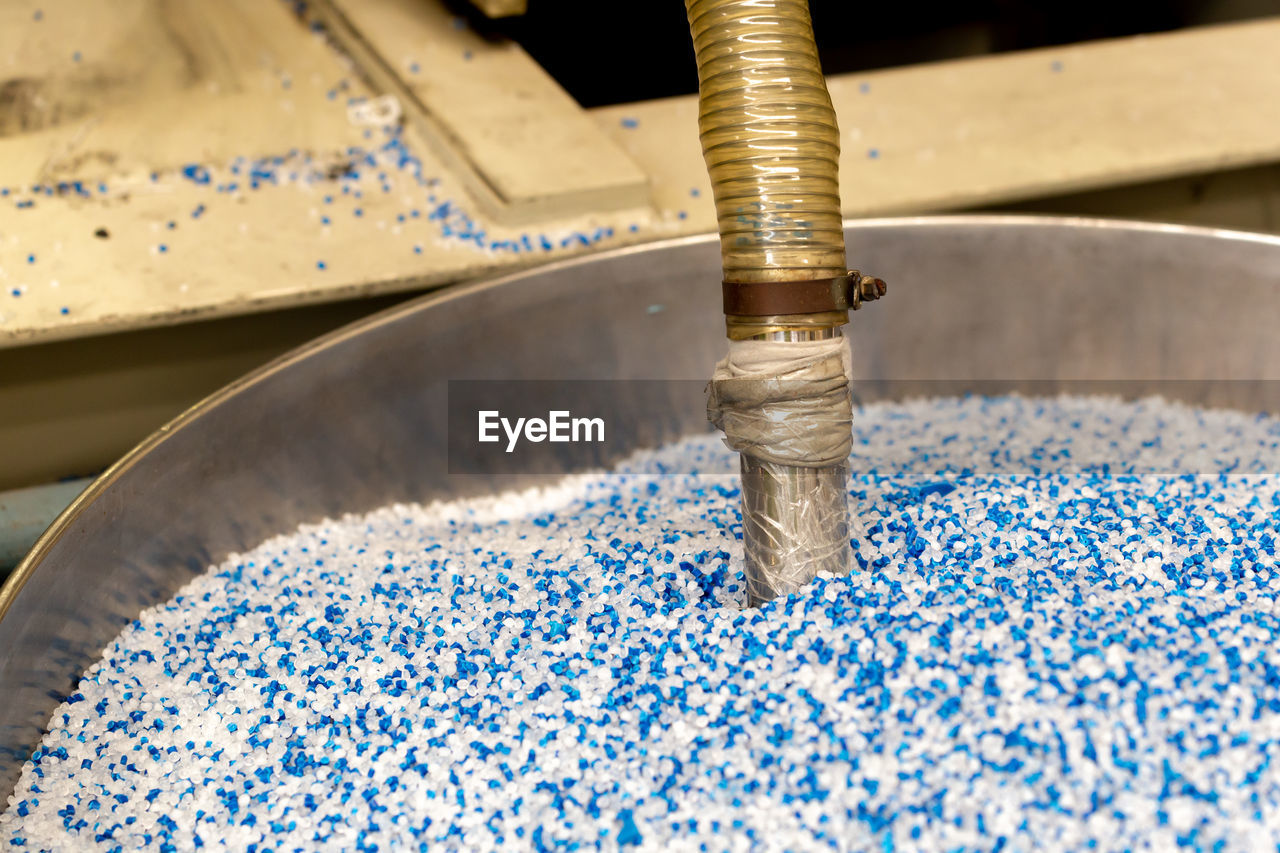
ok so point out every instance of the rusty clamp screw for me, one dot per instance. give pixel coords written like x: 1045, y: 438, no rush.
x: 864, y: 288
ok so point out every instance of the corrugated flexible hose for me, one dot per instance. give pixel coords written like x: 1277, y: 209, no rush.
x: 770, y: 139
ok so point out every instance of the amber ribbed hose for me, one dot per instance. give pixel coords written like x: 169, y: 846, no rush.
x: 770, y: 139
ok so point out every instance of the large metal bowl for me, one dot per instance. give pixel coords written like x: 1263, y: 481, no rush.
x: 357, y: 419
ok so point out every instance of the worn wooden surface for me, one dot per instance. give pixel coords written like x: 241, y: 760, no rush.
x: 1010, y: 127
x: 129, y: 93
x: 522, y: 146
x: 140, y: 206
x: 109, y: 90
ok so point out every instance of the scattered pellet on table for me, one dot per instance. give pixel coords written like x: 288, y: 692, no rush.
x: 1060, y: 632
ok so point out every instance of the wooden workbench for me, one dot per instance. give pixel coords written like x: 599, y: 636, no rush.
x: 134, y: 130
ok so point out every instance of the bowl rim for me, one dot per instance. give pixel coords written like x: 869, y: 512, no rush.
x: 27, y: 568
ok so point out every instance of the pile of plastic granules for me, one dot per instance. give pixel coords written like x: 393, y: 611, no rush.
x: 1060, y: 631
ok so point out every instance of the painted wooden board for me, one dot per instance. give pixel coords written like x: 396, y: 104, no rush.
x: 99, y: 91
x: 523, y: 146
x: 243, y: 180
x: 1009, y: 127
x: 178, y: 161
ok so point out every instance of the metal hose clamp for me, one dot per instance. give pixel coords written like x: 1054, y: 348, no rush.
x: 810, y: 296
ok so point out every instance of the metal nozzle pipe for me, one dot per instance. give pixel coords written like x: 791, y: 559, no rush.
x: 795, y: 525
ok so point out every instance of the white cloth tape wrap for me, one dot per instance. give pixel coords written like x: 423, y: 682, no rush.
x: 785, y: 401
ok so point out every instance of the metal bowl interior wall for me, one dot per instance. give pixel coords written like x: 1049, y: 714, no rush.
x: 357, y: 419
